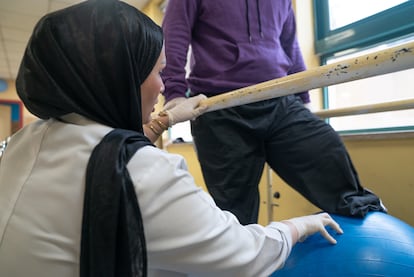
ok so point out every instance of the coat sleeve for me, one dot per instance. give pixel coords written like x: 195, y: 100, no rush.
x: 186, y: 232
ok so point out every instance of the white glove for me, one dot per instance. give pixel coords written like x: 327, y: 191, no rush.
x: 186, y: 110
x: 308, y: 225
x: 173, y: 102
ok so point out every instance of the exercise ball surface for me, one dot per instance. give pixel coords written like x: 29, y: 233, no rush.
x: 376, y: 245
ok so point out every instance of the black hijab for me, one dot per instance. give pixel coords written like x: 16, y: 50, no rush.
x: 90, y: 59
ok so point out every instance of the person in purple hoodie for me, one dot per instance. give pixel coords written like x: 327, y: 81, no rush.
x: 234, y: 44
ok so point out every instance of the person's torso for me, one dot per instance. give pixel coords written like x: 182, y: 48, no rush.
x: 42, y: 184
x: 237, y: 43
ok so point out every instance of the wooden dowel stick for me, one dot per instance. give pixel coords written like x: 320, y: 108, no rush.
x: 364, y: 109
x: 386, y: 61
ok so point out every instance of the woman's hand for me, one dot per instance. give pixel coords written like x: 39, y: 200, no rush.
x: 308, y: 225
x: 185, y: 109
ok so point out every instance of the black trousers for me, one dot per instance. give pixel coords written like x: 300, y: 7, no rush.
x: 233, y: 145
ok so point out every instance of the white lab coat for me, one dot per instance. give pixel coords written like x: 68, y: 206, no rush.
x: 42, y: 179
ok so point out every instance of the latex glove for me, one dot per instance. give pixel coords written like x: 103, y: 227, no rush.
x: 186, y: 110
x: 308, y: 225
x: 174, y: 102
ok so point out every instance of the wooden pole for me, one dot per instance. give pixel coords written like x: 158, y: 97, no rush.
x: 386, y: 61
x: 364, y: 109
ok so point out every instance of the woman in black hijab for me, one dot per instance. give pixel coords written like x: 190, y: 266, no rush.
x: 91, y: 60
x: 71, y: 181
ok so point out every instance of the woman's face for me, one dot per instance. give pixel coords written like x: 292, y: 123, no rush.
x: 151, y: 88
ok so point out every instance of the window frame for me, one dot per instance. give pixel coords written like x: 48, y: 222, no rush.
x: 394, y: 23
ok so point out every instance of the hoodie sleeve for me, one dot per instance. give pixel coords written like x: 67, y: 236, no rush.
x: 291, y: 47
x: 177, y: 25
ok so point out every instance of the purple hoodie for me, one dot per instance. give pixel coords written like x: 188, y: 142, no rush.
x: 235, y: 43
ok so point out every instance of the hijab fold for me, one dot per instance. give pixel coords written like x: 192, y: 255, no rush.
x: 91, y: 59
x: 112, y: 236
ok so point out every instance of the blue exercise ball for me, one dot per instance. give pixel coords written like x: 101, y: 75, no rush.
x: 376, y: 245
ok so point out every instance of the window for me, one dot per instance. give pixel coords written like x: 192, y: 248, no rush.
x: 345, y: 29
x: 342, y: 13
x: 332, y: 36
